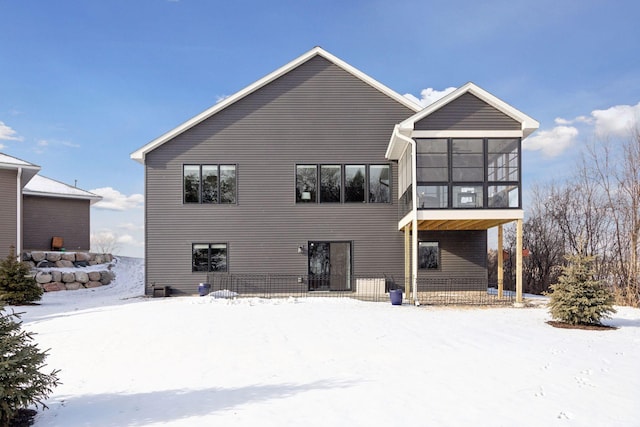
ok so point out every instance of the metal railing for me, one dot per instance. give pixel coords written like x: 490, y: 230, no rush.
x: 461, y: 291
x: 374, y: 287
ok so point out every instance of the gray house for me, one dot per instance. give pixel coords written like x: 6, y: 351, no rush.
x: 35, y: 209
x: 320, y: 173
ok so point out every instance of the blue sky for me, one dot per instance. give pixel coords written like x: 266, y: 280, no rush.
x: 85, y: 83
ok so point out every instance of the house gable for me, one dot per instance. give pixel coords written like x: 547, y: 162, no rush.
x: 467, y: 112
x: 140, y: 154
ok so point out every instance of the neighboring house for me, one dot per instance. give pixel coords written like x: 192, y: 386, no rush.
x: 313, y: 172
x: 35, y: 209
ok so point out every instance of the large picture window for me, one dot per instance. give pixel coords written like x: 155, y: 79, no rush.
x: 209, y: 184
x: 209, y: 257
x: 333, y: 183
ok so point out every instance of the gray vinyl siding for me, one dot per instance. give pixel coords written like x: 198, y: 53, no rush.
x: 462, y: 254
x: 8, y: 211
x: 468, y: 112
x: 315, y: 114
x: 46, y: 217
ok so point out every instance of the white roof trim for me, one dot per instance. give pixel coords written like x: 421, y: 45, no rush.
x: 528, y: 124
x: 466, y: 134
x: 46, y: 187
x: 139, y: 155
x: 10, y: 162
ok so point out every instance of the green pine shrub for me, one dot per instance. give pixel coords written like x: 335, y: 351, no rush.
x: 578, y: 298
x: 22, y: 382
x: 17, y: 286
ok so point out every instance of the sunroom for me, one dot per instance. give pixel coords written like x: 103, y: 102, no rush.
x: 459, y: 175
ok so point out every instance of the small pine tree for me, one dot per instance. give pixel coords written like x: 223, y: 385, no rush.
x: 578, y: 298
x: 22, y: 383
x: 16, y: 284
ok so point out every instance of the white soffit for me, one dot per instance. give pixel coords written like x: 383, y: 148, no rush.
x: 139, y: 154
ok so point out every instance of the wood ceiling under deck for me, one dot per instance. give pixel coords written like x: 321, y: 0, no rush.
x: 460, y: 224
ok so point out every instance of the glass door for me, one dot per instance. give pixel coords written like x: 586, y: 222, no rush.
x: 329, y: 266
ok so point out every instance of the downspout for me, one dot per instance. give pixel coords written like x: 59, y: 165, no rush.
x: 414, y: 214
x: 19, y: 214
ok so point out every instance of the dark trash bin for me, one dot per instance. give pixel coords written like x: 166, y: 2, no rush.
x: 204, y: 289
x: 396, y: 296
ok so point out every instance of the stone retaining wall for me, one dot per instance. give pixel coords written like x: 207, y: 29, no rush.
x: 57, y: 271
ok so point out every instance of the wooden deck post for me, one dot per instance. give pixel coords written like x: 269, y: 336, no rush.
x: 519, y: 261
x: 500, y: 263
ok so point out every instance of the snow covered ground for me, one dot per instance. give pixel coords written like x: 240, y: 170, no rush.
x: 199, y: 361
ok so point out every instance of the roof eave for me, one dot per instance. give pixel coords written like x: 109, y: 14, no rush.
x: 92, y: 198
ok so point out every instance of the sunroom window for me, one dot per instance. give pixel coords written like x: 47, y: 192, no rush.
x: 468, y: 173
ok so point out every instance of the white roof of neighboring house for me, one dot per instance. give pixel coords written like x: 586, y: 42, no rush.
x: 28, y: 169
x: 47, y: 187
x: 139, y: 154
x: 14, y: 161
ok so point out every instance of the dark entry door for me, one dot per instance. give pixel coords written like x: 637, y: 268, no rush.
x: 329, y: 266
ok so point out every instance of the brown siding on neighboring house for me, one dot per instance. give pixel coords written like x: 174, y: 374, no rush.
x: 8, y: 211
x: 316, y: 114
x: 46, y: 217
x: 468, y: 112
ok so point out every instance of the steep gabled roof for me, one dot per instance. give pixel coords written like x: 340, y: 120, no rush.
x: 139, y: 155
x: 47, y: 187
x: 404, y: 128
x: 528, y: 124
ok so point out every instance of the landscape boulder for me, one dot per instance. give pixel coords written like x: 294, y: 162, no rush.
x: 53, y: 256
x: 81, y: 277
x: 42, y: 277
x: 73, y: 286
x: 63, y: 263
x: 53, y: 286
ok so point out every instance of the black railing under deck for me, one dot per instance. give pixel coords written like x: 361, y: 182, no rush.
x: 461, y: 291
x: 373, y: 287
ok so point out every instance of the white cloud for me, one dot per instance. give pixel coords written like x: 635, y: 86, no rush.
x: 8, y: 134
x: 126, y: 239
x: 551, y: 142
x: 116, y: 201
x: 2, y: 146
x: 129, y: 226
x: 429, y: 95
x: 618, y: 120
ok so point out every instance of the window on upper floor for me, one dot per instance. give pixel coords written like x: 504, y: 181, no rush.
x: 335, y: 183
x: 379, y: 184
x: 209, y: 184
x: 330, y: 183
x: 355, y: 186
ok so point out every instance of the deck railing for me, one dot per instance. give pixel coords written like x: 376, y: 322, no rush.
x: 374, y: 287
